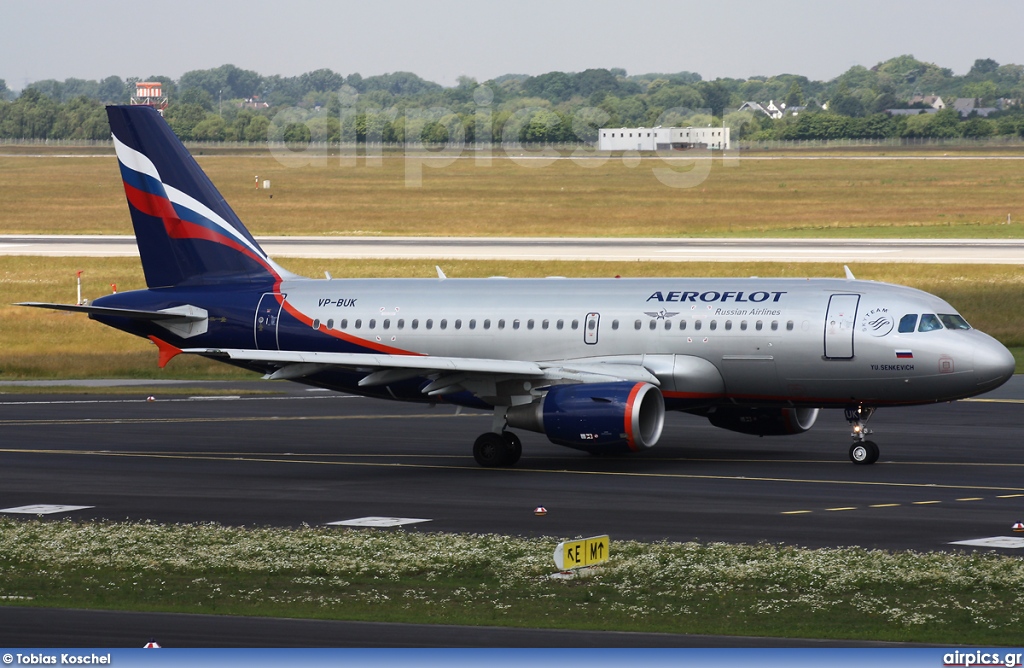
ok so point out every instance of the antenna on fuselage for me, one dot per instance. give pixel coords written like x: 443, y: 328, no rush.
x: 440, y: 274
x: 849, y: 274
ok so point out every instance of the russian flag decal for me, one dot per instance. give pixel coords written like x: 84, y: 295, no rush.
x: 904, y: 355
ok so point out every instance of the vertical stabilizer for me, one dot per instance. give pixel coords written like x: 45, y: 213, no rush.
x: 186, y: 233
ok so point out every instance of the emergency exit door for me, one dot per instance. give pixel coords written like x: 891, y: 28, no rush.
x: 267, y: 314
x: 591, y: 328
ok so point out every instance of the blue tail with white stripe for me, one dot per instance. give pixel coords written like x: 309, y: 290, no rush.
x: 186, y: 233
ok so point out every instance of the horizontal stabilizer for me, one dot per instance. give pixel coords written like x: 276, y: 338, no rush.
x: 186, y: 321
x: 193, y: 315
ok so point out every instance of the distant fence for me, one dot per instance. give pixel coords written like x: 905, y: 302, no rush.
x: 1002, y: 141
x: 893, y: 142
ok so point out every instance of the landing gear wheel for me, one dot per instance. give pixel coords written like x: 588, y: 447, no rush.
x: 491, y: 450
x: 515, y: 447
x: 864, y: 452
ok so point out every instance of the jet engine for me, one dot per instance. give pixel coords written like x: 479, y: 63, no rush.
x: 596, y: 418
x: 763, y: 421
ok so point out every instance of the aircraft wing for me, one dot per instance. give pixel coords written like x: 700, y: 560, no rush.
x: 448, y: 374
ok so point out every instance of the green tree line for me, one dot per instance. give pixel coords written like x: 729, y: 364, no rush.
x: 228, y: 103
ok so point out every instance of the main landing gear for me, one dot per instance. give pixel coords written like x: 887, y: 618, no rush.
x: 493, y: 449
x: 862, y: 451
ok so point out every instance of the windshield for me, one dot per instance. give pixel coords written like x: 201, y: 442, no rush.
x: 929, y: 323
x: 953, y: 321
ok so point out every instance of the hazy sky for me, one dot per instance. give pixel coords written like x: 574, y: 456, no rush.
x: 443, y: 39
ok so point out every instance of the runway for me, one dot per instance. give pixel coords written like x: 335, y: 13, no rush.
x: 949, y: 472
x: 955, y: 251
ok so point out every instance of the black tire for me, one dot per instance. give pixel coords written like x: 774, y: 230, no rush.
x: 515, y: 447
x: 864, y: 453
x: 491, y: 450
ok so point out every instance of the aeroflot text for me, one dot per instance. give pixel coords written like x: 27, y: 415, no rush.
x: 62, y: 659
x: 715, y: 296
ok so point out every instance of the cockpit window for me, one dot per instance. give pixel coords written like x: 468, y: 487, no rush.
x: 929, y: 322
x: 908, y: 323
x: 953, y: 321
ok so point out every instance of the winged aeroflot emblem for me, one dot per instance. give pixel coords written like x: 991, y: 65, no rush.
x: 662, y: 314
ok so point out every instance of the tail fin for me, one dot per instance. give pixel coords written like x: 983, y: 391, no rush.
x: 186, y: 233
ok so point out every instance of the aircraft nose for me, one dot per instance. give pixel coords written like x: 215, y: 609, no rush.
x: 993, y: 365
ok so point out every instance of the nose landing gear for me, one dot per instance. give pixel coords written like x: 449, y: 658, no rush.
x: 862, y: 451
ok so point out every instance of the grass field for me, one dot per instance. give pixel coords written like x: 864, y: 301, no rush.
x: 36, y: 343
x: 833, y: 196
x: 397, y: 576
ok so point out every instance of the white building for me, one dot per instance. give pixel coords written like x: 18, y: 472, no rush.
x: 662, y: 138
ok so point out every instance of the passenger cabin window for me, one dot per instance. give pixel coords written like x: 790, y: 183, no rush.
x: 636, y: 325
x: 430, y: 323
x: 444, y: 324
x: 929, y: 323
x: 344, y: 323
x: 953, y: 321
x: 908, y: 323
x: 372, y: 323
x: 615, y: 324
x: 576, y: 324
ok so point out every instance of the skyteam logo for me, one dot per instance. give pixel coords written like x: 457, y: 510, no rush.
x: 877, y: 322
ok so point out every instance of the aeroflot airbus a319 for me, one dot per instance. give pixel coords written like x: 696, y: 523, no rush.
x: 592, y: 363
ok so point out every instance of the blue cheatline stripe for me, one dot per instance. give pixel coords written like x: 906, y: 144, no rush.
x: 140, y: 181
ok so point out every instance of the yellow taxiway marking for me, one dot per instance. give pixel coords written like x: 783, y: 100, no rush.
x: 289, y: 458
x: 246, y: 418
x: 896, y: 505
x: 833, y: 510
x: 995, y: 401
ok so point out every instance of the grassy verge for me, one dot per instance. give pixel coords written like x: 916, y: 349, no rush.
x: 36, y: 343
x: 613, y: 198
x: 763, y: 590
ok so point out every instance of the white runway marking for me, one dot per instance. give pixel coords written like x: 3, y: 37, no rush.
x: 43, y: 509
x: 1012, y: 542
x: 378, y: 522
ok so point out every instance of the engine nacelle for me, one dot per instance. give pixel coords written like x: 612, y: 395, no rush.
x: 597, y: 418
x: 763, y: 421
